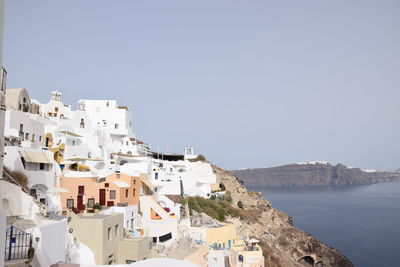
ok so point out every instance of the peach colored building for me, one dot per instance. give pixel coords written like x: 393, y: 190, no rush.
x: 115, y: 189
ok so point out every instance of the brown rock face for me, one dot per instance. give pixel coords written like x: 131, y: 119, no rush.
x: 311, y: 175
x: 282, y: 243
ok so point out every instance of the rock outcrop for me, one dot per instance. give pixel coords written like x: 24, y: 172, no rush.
x: 282, y: 243
x: 315, y: 174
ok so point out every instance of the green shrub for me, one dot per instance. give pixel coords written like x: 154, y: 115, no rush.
x: 228, y: 197
x: 216, y: 210
x: 25, y: 108
x: 198, y: 158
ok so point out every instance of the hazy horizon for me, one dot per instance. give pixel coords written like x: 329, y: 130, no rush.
x: 247, y: 85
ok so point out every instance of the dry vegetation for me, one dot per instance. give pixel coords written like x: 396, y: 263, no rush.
x: 19, y: 177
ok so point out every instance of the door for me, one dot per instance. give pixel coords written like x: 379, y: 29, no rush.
x: 80, y: 203
x: 102, y: 197
x: 81, y: 190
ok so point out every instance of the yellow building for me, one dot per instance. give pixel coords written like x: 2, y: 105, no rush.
x: 222, y: 236
x: 247, y: 253
x: 101, y: 233
x: 104, y: 235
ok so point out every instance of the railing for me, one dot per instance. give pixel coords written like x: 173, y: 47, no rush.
x: 17, y: 244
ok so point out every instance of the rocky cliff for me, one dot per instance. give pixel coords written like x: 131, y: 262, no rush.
x: 282, y: 243
x: 312, y: 174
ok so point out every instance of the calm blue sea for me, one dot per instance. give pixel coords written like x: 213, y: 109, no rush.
x: 363, y: 222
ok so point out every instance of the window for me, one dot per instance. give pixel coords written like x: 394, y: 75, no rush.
x: 116, y: 230
x: 91, y: 202
x: 156, y: 176
x: 21, y: 131
x: 134, y: 181
x: 106, y: 185
x: 126, y: 192
x: 33, y: 137
x: 165, y: 237
x: 82, y: 125
x: 41, y: 166
x: 70, y: 203
x: 40, y: 138
x: 112, y: 194
x: 33, y: 191
x: 56, y: 109
x: 116, y: 126
x: 134, y: 191
x: 109, y: 233
x: 27, y: 136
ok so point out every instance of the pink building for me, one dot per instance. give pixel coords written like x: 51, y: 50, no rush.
x: 115, y: 189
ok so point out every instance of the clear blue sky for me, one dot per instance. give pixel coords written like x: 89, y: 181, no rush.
x: 246, y: 83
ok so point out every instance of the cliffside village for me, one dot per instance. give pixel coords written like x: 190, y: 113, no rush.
x: 78, y: 188
x: 96, y: 195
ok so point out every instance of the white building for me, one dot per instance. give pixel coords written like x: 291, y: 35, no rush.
x: 198, y: 178
x: 39, y: 166
x: 158, y: 223
x: 183, y: 177
x: 113, y: 124
x: 131, y: 221
x: 25, y: 126
x: 55, y: 109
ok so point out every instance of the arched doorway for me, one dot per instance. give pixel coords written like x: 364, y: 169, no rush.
x: 39, y: 191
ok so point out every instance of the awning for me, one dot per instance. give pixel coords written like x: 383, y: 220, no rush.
x: 83, y: 159
x: 125, y: 155
x: 253, y: 240
x: 70, y: 133
x: 36, y: 156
